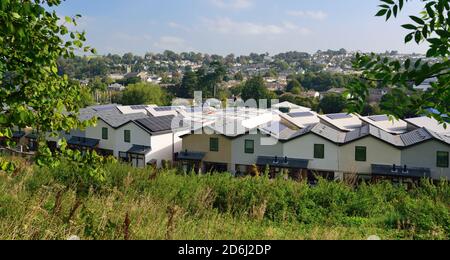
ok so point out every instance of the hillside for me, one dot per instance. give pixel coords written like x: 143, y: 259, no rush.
x: 135, y: 204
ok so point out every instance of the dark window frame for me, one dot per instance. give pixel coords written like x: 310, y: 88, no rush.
x: 127, y: 136
x: 358, y: 156
x: 442, y: 159
x: 105, y: 134
x: 247, y: 149
x: 213, y: 144
x: 319, y: 153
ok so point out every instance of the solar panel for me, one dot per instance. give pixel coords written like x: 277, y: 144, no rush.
x: 141, y: 107
x: 163, y: 109
x: 380, y: 118
x: 301, y: 114
x: 157, y: 124
x: 339, y: 116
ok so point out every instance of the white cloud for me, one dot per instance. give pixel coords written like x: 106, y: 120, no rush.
x: 315, y: 15
x: 232, y: 4
x: 228, y: 26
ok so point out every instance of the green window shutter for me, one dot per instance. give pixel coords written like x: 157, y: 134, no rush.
x: 127, y: 136
x: 249, y: 146
x: 319, y: 151
x: 105, y: 133
x: 442, y: 159
x: 214, y: 144
x: 361, y: 154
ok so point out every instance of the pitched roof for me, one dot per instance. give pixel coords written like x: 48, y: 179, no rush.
x: 116, y: 121
x: 329, y: 133
x: 301, y: 119
x: 161, y: 124
x: 394, y: 126
x: 422, y: 135
x: 279, y: 129
x: 415, y: 137
x: 370, y: 130
x: 430, y: 124
x: 342, y: 121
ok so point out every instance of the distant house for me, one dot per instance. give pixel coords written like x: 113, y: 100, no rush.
x: 116, y: 76
x: 154, y: 79
x: 116, y: 87
x: 142, y: 75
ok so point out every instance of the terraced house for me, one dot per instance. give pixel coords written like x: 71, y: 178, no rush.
x: 289, y: 139
x: 332, y: 146
x: 131, y: 134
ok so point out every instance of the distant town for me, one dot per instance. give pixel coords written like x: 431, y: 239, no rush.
x: 168, y: 68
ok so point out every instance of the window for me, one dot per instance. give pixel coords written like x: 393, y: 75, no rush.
x: 249, y: 146
x: 127, y: 136
x: 319, y: 151
x: 214, y: 144
x: 361, y: 154
x: 442, y: 159
x: 105, y: 133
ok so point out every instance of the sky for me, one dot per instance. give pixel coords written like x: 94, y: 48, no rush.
x: 239, y: 26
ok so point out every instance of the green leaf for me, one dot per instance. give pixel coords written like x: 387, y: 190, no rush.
x: 388, y: 15
x: 409, y: 27
x: 417, y: 20
x: 68, y: 19
x: 409, y: 37
x: 382, y: 12
x: 15, y: 15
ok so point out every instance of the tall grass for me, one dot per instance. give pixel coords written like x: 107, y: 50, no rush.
x: 137, y: 204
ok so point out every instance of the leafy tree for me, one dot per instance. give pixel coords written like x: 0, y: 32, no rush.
x: 256, y: 89
x: 332, y: 103
x: 293, y: 84
x: 33, y: 93
x: 397, y: 98
x: 97, y: 83
x: 143, y: 93
x: 87, y: 98
x: 432, y: 28
x: 188, y: 85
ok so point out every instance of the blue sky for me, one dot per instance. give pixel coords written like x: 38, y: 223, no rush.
x: 238, y: 26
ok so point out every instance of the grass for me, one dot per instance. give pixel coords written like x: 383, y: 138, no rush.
x: 133, y: 204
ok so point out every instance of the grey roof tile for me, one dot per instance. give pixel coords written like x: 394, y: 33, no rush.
x: 415, y: 137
